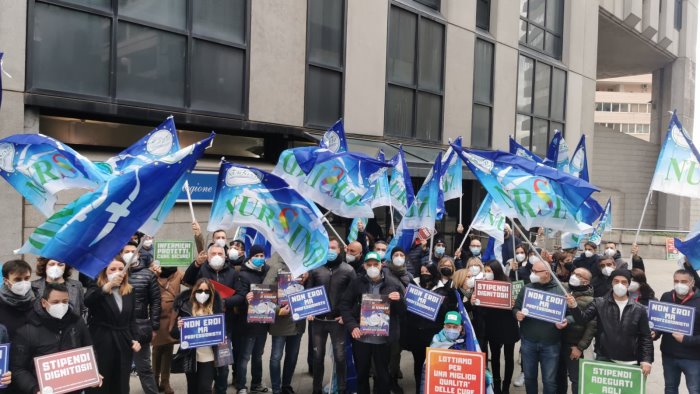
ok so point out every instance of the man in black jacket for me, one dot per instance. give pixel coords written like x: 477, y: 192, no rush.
x: 49, y: 329
x: 623, y: 333
x: 372, y: 347
x: 147, y: 311
x: 335, y: 277
x: 680, y: 354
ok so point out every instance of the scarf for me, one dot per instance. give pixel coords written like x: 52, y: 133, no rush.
x: 15, y: 301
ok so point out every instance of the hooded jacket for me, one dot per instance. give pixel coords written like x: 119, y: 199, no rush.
x: 621, y: 339
x: 335, y: 276
x: 690, y: 348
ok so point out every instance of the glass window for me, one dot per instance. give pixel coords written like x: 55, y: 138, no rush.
x: 541, y: 25
x: 150, y: 65
x: 522, y: 37
x: 70, y: 51
x: 481, y: 127
x: 399, y: 111
x: 220, y: 19
x: 678, y: 14
x: 483, y: 71
x: 526, y: 70
x: 606, y: 107
x: 558, y: 93
x: 171, y: 13
x: 536, y: 11
x: 402, y: 46
x: 430, y: 55
x: 101, y: 4
x: 523, y: 8
x: 615, y: 107
x: 555, y: 11
x: 323, y: 95
x: 217, y: 78
x: 522, y: 129
x: 624, y: 107
x: 535, y: 37
x: 542, y: 91
x: 434, y: 4
x: 429, y: 116
x: 598, y: 106
x: 483, y: 14
x: 540, y: 140
x: 326, y: 32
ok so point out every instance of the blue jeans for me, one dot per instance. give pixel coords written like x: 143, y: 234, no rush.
x: 289, y: 346
x: 672, y: 374
x: 546, y: 356
x: 251, y: 350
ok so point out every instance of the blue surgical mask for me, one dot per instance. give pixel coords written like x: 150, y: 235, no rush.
x: 452, y: 334
x: 258, y: 261
x: 475, y: 251
x: 332, y: 255
x: 439, y: 250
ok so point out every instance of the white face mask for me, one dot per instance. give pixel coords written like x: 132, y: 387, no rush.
x: 474, y: 270
x: 574, y: 281
x: 681, y: 289
x: 588, y: 253
x: 607, y: 271
x: 533, y: 259
x: 399, y: 261
x: 350, y: 258
x: 148, y: 243
x: 634, y: 286
x: 373, y: 272
x: 471, y: 282
x: 610, y: 252
x: 216, y: 262
x: 201, y: 297
x: 58, y: 310
x: 21, y: 288
x: 55, y: 272
x: 619, y: 289
x: 233, y: 254
x: 520, y: 257
x: 488, y: 276
x: 129, y: 258
x: 534, y: 278
x: 221, y: 242
x: 381, y: 254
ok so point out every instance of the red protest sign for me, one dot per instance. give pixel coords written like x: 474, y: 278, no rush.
x: 493, y: 294
x: 454, y: 371
x: 67, y: 371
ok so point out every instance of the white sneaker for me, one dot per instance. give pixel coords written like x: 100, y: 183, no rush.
x: 520, y: 380
x: 242, y: 391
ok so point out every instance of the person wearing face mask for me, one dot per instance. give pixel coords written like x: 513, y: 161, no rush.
x: 525, y: 269
x: 507, y: 249
x: 353, y: 256
x: 562, y: 265
x: 111, y: 320
x: 513, y: 265
x: 236, y: 254
x: 16, y: 297
x: 169, y: 282
x: 335, y: 276
x: 395, y: 267
x: 540, y: 340
x: 417, y: 254
x: 52, y: 271
x: 380, y: 247
x: 577, y: 337
x: 251, y: 336
x: 639, y: 288
x: 147, y: 249
x: 218, y: 238
x: 444, y: 286
x: 438, y: 253
x: 452, y: 334
x: 201, y: 300
x: 601, y: 276
x: 147, y: 312
x: 589, y: 258
x: 680, y: 354
x: 51, y: 328
x: 368, y: 348
x: 622, y: 333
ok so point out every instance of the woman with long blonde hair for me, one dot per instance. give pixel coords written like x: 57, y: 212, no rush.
x: 111, y: 320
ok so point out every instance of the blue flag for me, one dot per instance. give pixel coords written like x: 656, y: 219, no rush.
x: 379, y: 189
x: 254, y: 198
x: 558, y: 152
x: 538, y: 195
x: 604, y: 225
x: 334, y: 138
x: 691, y: 246
x: 160, y: 142
x: 490, y: 219
x: 250, y: 237
x: 92, y: 229
x: 400, y: 186
x: 352, y: 234
x: 519, y: 150
x: 578, y: 166
x: 679, y: 163
x: 39, y: 167
x: 452, y: 173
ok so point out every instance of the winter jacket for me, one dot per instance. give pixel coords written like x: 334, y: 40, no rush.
x: 507, y: 248
x: 414, y: 259
x: 441, y: 341
x: 589, y: 263
x: 619, y: 262
x: 417, y: 331
x: 335, y: 276
x: 499, y: 325
x: 626, y: 339
x: 580, y: 335
x: 284, y: 325
x: 402, y: 276
x: 352, y: 300
x: 109, y: 327
x: 169, y: 290
x: 14, y: 317
x: 43, y: 335
x: 147, y: 294
x: 244, y: 279
x: 76, y: 296
x: 182, y: 306
x: 690, y: 348
x: 535, y: 330
x: 226, y: 276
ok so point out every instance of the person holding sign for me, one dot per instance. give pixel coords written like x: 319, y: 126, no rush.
x: 540, y: 340
x: 680, y: 354
x: 202, y: 300
x: 6, y: 377
x: 623, y: 335
x: 372, y: 347
x: 169, y: 281
x: 112, y: 323
x: 51, y: 327
x: 16, y: 298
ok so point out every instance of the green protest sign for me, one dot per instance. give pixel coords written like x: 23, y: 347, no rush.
x: 517, y: 287
x: 174, y: 253
x: 596, y: 377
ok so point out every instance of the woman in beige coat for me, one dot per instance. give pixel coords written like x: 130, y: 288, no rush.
x: 169, y: 280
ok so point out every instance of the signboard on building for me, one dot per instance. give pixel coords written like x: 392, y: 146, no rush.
x: 202, y: 187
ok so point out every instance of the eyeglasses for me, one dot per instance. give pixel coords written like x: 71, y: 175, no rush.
x: 200, y: 291
x: 539, y: 272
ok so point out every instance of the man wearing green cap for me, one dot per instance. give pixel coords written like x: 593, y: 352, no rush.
x: 452, y: 334
x: 372, y: 347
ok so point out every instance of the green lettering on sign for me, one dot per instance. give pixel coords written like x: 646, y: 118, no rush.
x: 174, y: 253
x: 610, y: 378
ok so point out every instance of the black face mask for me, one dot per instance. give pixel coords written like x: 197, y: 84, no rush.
x: 446, y: 271
x: 167, y: 271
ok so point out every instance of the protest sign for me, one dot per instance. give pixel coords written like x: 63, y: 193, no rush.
x: 422, y: 302
x: 516, y: 288
x: 667, y: 317
x: 493, y: 294
x: 310, y: 302
x: 454, y: 371
x: 202, y: 331
x: 4, y: 359
x: 263, y: 307
x: 287, y: 284
x: 174, y: 253
x: 601, y: 377
x: 671, y: 251
x: 67, y: 371
x: 542, y: 305
x: 374, y: 315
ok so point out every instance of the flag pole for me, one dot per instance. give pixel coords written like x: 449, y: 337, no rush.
x: 335, y: 232
x: 512, y: 237
x: 641, y: 219
x: 391, y: 214
x: 460, y: 209
x: 235, y: 235
x: 549, y: 267
x: 189, y: 200
x: 466, y: 235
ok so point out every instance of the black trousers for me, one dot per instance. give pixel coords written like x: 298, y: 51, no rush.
x: 509, y: 356
x: 202, y: 380
x: 364, y: 354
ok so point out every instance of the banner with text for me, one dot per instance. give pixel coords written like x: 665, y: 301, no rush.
x: 202, y: 331
x: 4, y: 360
x: 174, y: 253
x: 542, y: 305
x: 67, y: 371
x: 263, y: 307
x: 310, y: 302
x: 454, y: 371
x: 493, y: 294
x: 600, y: 377
x: 667, y: 317
x: 422, y: 302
